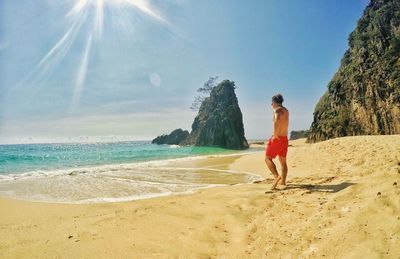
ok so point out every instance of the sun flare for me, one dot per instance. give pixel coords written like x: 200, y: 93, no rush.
x: 95, y: 13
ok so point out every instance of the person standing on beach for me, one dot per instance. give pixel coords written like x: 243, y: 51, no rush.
x: 277, y: 144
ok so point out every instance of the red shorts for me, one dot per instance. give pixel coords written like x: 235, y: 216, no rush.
x: 277, y: 147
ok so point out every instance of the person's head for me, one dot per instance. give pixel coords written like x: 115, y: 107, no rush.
x: 277, y: 100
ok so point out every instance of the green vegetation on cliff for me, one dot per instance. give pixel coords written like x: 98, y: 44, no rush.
x: 296, y: 134
x: 363, y: 96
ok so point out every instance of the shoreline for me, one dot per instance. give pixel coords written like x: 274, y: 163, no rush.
x: 135, y: 163
x: 343, y: 192
x: 171, y: 164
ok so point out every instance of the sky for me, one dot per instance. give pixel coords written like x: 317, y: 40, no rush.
x: 81, y: 70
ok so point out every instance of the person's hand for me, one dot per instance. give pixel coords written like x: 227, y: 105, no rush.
x: 274, y: 137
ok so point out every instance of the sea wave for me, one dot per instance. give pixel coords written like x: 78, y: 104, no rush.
x: 119, y: 182
x: 73, y: 171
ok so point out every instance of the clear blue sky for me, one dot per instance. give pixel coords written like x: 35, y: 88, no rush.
x: 130, y: 68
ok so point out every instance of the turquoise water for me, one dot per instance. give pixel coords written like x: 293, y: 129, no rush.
x: 22, y: 158
x: 109, y: 172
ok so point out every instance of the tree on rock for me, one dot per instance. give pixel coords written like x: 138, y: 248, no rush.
x: 204, y: 92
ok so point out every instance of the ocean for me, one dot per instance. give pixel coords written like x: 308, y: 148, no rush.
x: 107, y: 172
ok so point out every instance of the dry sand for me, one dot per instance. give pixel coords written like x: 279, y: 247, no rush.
x: 342, y: 201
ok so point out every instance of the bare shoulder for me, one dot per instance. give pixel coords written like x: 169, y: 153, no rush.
x: 280, y: 110
x: 284, y: 109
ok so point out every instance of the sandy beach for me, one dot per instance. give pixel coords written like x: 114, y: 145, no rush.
x: 342, y: 201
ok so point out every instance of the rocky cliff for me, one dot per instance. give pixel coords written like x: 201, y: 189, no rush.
x: 296, y: 134
x: 363, y: 96
x: 219, y: 121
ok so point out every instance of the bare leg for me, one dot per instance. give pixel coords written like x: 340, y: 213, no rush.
x: 284, y: 169
x: 272, y: 168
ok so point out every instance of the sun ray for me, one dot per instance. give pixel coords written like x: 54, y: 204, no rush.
x: 146, y: 8
x: 79, y: 14
x: 78, y: 7
x: 81, y: 76
x: 56, y: 53
x: 99, y: 18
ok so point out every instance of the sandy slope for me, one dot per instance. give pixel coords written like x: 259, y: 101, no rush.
x: 343, y: 201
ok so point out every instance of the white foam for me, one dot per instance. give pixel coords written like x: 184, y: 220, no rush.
x: 174, y: 146
x: 118, y: 182
x: 111, y: 167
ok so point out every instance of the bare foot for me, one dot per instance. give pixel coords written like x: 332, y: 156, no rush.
x: 277, y: 179
x: 281, y: 187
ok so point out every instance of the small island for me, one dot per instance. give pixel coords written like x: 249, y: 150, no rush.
x: 218, y: 123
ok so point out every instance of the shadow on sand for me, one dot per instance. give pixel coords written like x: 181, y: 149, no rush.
x: 320, y: 187
x: 331, y: 188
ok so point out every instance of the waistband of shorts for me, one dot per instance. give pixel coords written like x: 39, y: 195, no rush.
x: 283, y: 137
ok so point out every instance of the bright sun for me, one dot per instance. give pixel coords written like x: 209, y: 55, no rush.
x: 79, y: 12
x: 143, y: 6
x: 92, y: 11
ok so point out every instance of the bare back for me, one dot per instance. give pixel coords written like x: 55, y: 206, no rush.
x: 281, y: 121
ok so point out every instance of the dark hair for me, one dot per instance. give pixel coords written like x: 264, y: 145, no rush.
x: 278, y: 98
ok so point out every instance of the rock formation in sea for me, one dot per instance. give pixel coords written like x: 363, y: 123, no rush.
x: 363, y: 97
x: 219, y: 121
x: 174, y: 138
